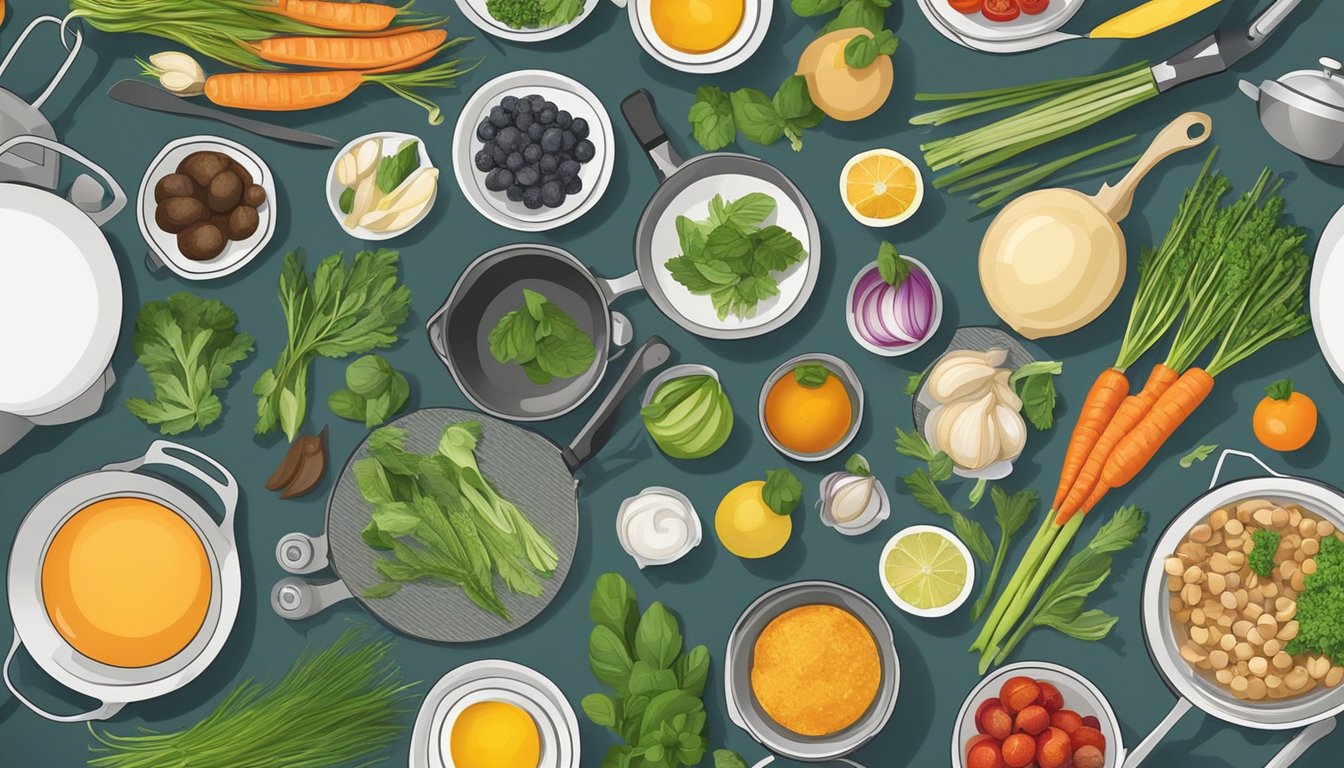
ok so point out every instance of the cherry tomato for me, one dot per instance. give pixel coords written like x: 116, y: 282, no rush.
x: 1033, y: 6
x: 1001, y: 10
x: 965, y: 6
x: 1285, y: 420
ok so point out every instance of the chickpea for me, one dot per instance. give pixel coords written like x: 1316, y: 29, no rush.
x: 1288, y: 631
x: 1279, y: 518
x: 1224, y: 676
x: 1264, y: 517
x: 1201, y: 533
x: 1334, y: 677
x: 1307, y: 527
x: 1241, y: 628
x: 1216, y: 582
x: 1297, y: 679
x: 1324, y: 528
x: 1174, y: 566
x: 1235, y: 527
x: 1258, y: 665
x: 1237, y: 559
x: 1175, y: 583
x: 1219, y: 563
x: 1256, y: 689
x: 1239, y: 684
x: 1229, y: 600
x: 1243, y: 651
x: 1218, y: 659
x: 1294, y: 517
x: 1285, y: 608
x: 1272, y: 647
x: 1273, y: 682
x: 1218, y: 519
x: 1198, y: 618
x: 1227, y: 642
x: 1253, y: 608
x: 1251, y: 505
x: 1193, y: 575
x: 1192, y: 594
x: 1193, y: 654
x: 1318, y: 667
x: 1199, y: 634
x: 1282, y: 661
x: 1297, y: 582
x: 1233, y: 580
x: 1311, y: 546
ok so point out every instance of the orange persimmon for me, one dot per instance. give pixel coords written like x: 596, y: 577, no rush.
x: 1284, y: 420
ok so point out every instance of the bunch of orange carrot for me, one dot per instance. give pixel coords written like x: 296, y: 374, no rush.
x: 345, y: 45
x: 1231, y: 274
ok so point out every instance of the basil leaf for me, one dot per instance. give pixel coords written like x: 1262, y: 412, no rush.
x: 1280, y: 390
x: 914, y: 445
x: 726, y: 758
x: 600, y: 708
x: 657, y: 638
x: 858, y: 465
x: 893, y: 269
x: 814, y: 7
x: 782, y: 492
x: 811, y: 375
x: 692, y: 670
x: 748, y: 211
x: 1090, y: 625
x: 857, y: 13
x: 346, y: 404
x: 368, y: 376
x: 862, y: 50
x: 395, y: 168
x: 756, y: 117
x: 711, y: 118
x: 609, y: 659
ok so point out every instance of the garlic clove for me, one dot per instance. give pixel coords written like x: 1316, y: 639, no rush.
x: 972, y: 441
x: 176, y: 61
x: 346, y: 172
x: 414, y: 191
x: 367, y: 154
x: 850, y: 498
x: 181, y: 84
x: 1003, y: 391
x: 996, y: 357
x: 958, y: 378
x: 367, y: 196
x: 1012, y: 431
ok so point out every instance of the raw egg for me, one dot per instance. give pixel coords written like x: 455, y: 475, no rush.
x: 747, y: 526
x: 696, y: 26
x: 808, y: 419
x: 495, y: 734
x: 126, y: 582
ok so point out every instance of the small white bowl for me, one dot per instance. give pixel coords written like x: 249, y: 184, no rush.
x: 478, y: 13
x: 847, y: 377
x: 696, y: 529
x: 930, y: 613
x: 894, y: 351
x: 739, y: 48
x: 391, y: 142
x: 878, y: 509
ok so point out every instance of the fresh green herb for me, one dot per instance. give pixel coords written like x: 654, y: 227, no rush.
x: 343, y: 311
x: 891, y: 266
x: 439, y: 517
x: 1035, y: 385
x: 351, y: 694
x: 1264, y: 545
x: 374, y: 390
x: 1280, y: 390
x: 347, y: 200
x: 811, y: 375
x: 861, y: 51
x: 1021, y: 178
x: 656, y: 702
x: 543, y: 339
x: 1011, y: 513
x: 717, y: 117
x: 1199, y: 453
x: 711, y: 118
x: 187, y: 346
x: 1061, y: 604
x: 557, y: 12
x: 516, y: 14
x: 783, y: 490
x: 395, y: 168
x: 858, y: 13
x: 913, y: 383
x: 730, y: 257
x: 1320, y: 607
x: 914, y: 445
x: 972, y: 534
x: 858, y: 465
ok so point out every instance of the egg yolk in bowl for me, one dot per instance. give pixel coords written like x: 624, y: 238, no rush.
x: 696, y: 26
x: 495, y: 734
x: 127, y: 582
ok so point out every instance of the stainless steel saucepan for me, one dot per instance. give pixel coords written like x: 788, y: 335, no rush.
x: 1304, y: 110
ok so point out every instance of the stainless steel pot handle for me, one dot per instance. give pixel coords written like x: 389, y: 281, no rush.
x: 1173, y: 717
x: 101, y: 216
x: 595, y: 434
x: 294, y: 599
x: 619, y: 286
x: 1303, y: 741
x: 65, y: 66
x: 1218, y: 468
x: 108, y: 709
x: 227, y: 491
x: 301, y: 554
x: 642, y: 118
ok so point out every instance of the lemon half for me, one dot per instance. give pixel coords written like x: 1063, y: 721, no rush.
x: 926, y: 571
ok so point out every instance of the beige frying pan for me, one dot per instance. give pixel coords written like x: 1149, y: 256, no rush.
x: 1054, y: 259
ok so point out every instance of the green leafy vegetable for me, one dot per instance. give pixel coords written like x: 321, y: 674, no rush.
x: 1035, y: 385
x: 656, y: 702
x: 971, y: 533
x: 1198, y: 453
x: 914, y: 445
x: 344, y: 310
x: 730, y: 257
x: 716, y: 117
x: 1320, y: 607
x: 557, y: 12
x: 811, y: 375
x: 711, y: 118
x: 395, y: 168
x: 350, y: 694
x: 859, y: 13
x: 347, y: 200
x: 1011, y: 513
x: 913, y: 383
x: 861, y: 51
x: 516, y: 14
x: 543, y: 339
x: 1264, y: 545
x: 1280, y: 390
x: 783, y: 490
x: 187, y: 346
x: 858, y: 465
x: 892, y: 267
x: 374, y: 391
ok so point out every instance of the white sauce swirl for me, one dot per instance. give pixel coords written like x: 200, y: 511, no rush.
x: 657, y: 526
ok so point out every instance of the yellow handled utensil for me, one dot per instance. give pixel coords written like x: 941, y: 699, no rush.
x: 1150, y: 17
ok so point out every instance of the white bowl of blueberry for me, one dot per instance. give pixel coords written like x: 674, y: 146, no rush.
x: 533, y: 150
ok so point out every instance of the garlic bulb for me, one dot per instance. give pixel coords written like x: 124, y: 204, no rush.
x: 178, y: 73
x: 958, y: 376
x: 1004, y: 391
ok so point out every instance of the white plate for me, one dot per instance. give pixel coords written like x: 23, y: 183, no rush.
x: 236, y: 253
x: 693, y: 202
x: 739, y: 48
x: 495, y: 680
x: 478, y: 13
x: 567, y: 94
x: 1327, y: 284
x: 391, y: 142
x: 1025, y: 26
x: 60, y: 301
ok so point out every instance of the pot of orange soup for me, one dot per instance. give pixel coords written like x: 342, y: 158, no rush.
x: 122, y: 586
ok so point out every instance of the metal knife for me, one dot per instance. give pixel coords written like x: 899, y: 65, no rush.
x: 148, y: 96
x: 1220, y: 50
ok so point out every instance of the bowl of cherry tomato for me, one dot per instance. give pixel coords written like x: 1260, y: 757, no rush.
x: 1004, y: 20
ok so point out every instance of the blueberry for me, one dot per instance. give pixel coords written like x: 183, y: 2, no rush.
x: 514, y: 161
x: 563, y: 118
x: 548, y: 178
x: 498, y: 153
x: 484, y: 161
x: 522, y: 106
x: 498, y: 179
x: 584, y: 151
x: 568, y: 140
x: 547, y: 116
x: 485, y: 131
x: 528, y: 176
x: 552, y: 194
x: 549, y: 164
x: 514, y: 193
x: 532, y: 153
x: 552, y: 139
x: 532, y: 197
x: 499, y: 117
x: 579, y: 127
x: 536, y: 100
x: 535, y: 130
x: 509, y: 103
x: 524, y: 120
x: 568, y: 170
x: 574, y: 186
x: 510, y: 139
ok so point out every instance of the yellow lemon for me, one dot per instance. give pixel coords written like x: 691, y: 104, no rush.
x: 881, y: 187
x: 749, y: 528
x: 495, y: 734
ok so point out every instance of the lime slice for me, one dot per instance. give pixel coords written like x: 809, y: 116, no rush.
x: 926, y: 571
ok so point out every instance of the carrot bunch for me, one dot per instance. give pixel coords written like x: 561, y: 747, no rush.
x: 1231, y: 274
x: 347, y: 44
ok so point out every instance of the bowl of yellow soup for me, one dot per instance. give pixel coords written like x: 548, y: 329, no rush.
x: 122, y: 585
x: 703, y: 36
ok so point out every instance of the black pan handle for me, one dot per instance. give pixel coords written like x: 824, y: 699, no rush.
x: 595, y: 434
x: 642, y: 118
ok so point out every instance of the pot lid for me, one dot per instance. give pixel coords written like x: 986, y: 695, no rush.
x: 1325, y: 86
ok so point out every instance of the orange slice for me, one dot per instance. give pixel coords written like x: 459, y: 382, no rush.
x: 881, y: 187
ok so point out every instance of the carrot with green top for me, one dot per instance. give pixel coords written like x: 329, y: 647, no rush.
x: 346, y: 17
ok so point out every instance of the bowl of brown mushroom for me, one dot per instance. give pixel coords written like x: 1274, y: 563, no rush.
x: 206, y: 207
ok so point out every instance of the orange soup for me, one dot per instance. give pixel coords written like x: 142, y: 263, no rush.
x: 126, y: 582
x: 811, y: 415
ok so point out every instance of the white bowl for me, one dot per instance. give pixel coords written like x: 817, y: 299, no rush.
x: 478, y: 13
x: 928, y: 613
x: 163, y: 245
x: 391, y: 142
x: 740, y: 47
x: 696, y: 532
x: 568, y: 94
x: 878, y: 509
x: 894, y: 351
